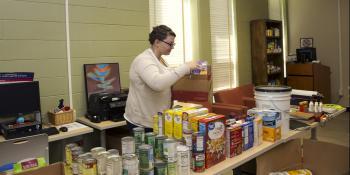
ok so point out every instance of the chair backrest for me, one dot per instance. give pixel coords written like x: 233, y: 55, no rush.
x: 234, y: 95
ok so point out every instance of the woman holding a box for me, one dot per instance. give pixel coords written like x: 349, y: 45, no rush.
x: 151, y: 79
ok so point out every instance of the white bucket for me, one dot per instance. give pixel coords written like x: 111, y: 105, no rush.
x: 275, y: 97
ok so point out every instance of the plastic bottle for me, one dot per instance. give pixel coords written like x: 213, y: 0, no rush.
x: 320, y: 107
x: 316, y: 107
x: 311, y: 106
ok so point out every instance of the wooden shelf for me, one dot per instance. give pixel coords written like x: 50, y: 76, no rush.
x: 260, y: 44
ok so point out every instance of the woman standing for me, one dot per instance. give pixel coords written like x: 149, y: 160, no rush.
x: 151, y: 79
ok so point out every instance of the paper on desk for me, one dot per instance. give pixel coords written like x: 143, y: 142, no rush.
x: 72, y: 126
x: 304, y: 92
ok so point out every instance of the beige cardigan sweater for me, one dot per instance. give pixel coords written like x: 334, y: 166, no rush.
x: 150, y: 88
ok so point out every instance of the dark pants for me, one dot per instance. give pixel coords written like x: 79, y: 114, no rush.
x: 132, y: 126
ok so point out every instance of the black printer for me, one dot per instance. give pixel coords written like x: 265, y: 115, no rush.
x: 106, y: 106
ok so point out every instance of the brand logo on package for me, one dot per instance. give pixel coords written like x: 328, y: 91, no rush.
x: 216, y: 130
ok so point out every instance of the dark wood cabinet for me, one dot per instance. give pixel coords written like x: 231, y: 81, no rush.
x: 267, y: 52
x: 310, y: 76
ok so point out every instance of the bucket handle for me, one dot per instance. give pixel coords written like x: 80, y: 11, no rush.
x: 274, y: 105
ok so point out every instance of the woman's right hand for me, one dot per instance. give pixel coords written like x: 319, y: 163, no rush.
x: 192, y: 64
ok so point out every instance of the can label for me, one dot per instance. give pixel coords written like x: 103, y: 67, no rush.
x: 171, y: 168
x: 159, y: 149
x: 183, y: 162
x: 146, y: 172
x: 146, y: 158
x: 170, y: 151
x: 199, y: 162
x: 160, y: 170
x: 198, y: 142
x: 128, y: 146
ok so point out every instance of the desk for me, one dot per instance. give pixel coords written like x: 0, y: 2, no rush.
x: 231, y: 163
x: 101, y: 127
x: 63, y: 135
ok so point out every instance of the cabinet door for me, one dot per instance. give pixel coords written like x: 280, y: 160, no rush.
x: 301, y: 82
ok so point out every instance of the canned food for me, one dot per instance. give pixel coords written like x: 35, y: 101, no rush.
x: 139, y: 136
x: 89, y: 166
x: 146, y: 156
x: 80, y: 159
x: 159, y: 153
x: 114, y: 165
x: 96, y: 150
x: 88, y: 154
x: 101, y: 162
x: 130, y: 164
x: 169, y: 148
x: 171, y: 168
x: 147, y: 172
x: 183, y: 160
x: 198, y: 162
x: 160, y: 168
x: 113, y: 152
x: 128, y: 145
x: 76, y: 151
x: 68, y: 152
x: 198, y: 142
x: 150, y: 138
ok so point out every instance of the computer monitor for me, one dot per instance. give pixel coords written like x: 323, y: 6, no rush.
x: 101, y: 77
x: 19, y: 97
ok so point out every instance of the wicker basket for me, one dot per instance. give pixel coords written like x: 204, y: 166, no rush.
x: 61, y: 117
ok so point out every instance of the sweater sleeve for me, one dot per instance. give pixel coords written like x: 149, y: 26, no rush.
x: 149, y: 72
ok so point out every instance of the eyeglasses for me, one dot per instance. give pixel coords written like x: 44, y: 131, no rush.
x: 172, y: 45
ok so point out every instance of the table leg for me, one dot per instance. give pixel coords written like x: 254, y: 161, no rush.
x: 314, y: 134
x: 103, y: 138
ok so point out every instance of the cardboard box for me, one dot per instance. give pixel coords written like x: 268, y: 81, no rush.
x: 214, y: 130
x: 321, y: 158
x: 53, y: 169
x: 193, y: 88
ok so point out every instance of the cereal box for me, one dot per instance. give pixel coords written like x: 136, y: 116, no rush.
x: 214, y: 130
x: 186, y: 115
x: 271, y: 125
x: 177, y: 130
x: 169, y: 123
x: 195, y: 121
x: 248, y: 135
x: 271, y: 134
x: 258, y: 131
x: 233, y: 140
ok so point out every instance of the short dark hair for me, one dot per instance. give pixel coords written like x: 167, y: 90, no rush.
x: 160, y: 32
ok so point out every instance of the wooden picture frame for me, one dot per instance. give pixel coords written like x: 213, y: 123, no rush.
x: 306, y: 42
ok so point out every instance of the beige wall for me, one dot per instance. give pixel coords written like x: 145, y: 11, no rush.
x: 102, y: 32
x: 319, y: 19
x: 247, y: 11
x: 33, y: 38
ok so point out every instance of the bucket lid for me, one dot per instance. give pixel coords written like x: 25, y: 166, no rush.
x: 273, y: 88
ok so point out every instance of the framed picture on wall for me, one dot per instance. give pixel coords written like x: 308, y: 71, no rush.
x: 306, y: 42
x: 101, y: 77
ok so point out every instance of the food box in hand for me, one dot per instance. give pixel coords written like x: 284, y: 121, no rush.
x: 214, y: 131
x: 233, y: 140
